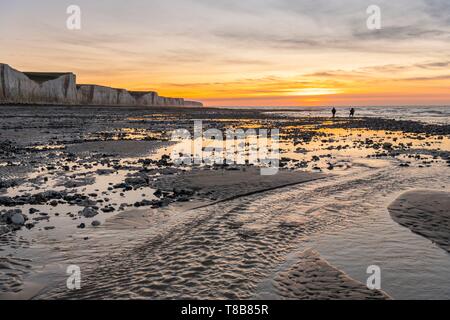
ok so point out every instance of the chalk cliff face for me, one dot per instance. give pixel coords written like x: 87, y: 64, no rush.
x: 192, y: 103
x: 61, y: 88
x: 124, y: 98
x: 97, y: 95
x: 18, y: 87
x: 145, y: 98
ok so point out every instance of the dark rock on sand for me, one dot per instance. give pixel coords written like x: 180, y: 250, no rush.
x: 6, y: 201
x: 29, y: 225
x: 13, y: 216
x: 108, y: 209
x: 89, y: 212
x: 95, y: 223
x: 4, y: 229
x: 137, y: 182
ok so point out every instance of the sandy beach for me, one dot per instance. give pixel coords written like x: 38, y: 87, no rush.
x: 426, y: 213
x: 98, y: 189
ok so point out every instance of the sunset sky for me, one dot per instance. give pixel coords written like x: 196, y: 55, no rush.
x: 241, y: 52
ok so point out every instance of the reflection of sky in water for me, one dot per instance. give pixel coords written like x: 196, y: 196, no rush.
x: 438, y: 115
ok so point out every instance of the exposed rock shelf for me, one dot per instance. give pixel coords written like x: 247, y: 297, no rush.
x: 62, y: 89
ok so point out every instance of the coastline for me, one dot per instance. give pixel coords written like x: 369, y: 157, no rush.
x: 62, y: 88
x: 107, y: 169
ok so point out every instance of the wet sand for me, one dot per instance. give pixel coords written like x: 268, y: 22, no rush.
x: 313, y: 278
x: 229, y: 183
x: 426, y: 213
x: 86, y: 180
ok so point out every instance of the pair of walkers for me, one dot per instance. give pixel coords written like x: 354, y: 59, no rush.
x: 352, y: 112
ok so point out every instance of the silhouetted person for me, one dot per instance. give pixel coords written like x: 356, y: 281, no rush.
x: 352, y: 112
x: 333, y: 111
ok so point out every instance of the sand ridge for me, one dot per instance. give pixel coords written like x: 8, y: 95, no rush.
x: 425, y: 212
x: 312, y: 277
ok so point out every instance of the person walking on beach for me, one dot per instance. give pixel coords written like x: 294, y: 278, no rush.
x: 333, y: 111
x: 352, y: 112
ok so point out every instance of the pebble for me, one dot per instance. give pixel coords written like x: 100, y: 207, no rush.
x: 18, y: 219
x: 95, y: 223
x: 89, y: 212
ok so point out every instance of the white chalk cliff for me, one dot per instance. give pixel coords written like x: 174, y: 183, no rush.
x: 61, y: 88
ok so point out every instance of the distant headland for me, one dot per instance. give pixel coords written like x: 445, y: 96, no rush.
x: 61, y: 89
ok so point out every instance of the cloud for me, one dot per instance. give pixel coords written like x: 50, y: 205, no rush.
x: 430, y: 78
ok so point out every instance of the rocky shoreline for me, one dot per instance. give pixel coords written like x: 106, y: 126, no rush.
x: 67, y: 172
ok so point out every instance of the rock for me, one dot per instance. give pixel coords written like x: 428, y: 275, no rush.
x: 387, y: 146
x: 7, y: 184
x: 108, y: 209
x: 158, y: 193
x: 81, y: 226
x: 183, y: 192
x: 136, y: 182
x: 404, y: 165
x: 105, y: 171
x: 162, y: 203
x: 18, y: 219
x: 121, y: 186
x: 41, y: 218
x: 29, y: 226
x: 8, y: 215
x: 51, y: 194
x: 33, y: 210
x: 86, y: 203
x: 145, y: 203
x: 95, y: 223
x: 183, y: 199
x: 6, y: 201
x: 4, y: 229
x: 89, y: 212
x: 76, y: 183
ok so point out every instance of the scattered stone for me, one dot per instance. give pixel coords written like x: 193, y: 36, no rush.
x: 387, y: 146
x: 137, y: 182
x: 404, y: 165
x: 105, y: 171
x: 7, y: 217
x: 29, y: 225
x: 6, y: 201
x: 89, y: 212
x: 95, y: 223
x: 4, y: 229
x: 18, y: 219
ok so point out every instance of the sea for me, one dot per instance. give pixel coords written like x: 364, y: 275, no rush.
x: 426, y: 114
